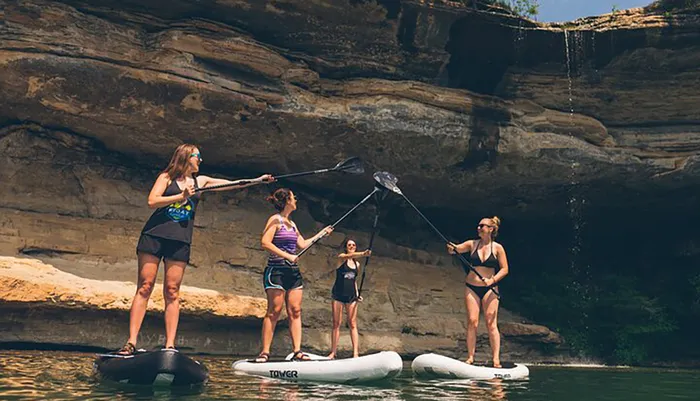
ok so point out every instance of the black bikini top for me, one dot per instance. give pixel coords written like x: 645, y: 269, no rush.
x: 491, y: 261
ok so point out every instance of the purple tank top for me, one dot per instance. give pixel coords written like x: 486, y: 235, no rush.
x: 285, y: 239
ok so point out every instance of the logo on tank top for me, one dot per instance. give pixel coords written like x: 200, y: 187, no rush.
x: 349, y: 275
x: 179, y: 211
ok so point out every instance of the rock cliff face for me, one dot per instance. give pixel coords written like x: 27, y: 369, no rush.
x: 475, y: 112
x: 322, y: 81
x: 79, y: 207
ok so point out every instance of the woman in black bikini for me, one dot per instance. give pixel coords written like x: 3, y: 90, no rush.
x: 489, y: 258
x: 345, y: 294
x: 167, y: 235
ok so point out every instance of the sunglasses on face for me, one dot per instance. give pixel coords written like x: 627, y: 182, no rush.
x: 197, y: 155
x: 483, y: 225
x: 352, y: 245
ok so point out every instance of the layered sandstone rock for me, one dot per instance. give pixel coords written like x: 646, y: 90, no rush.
x: 137, y: 82
x: 43, y: 304
x: 32, y: 282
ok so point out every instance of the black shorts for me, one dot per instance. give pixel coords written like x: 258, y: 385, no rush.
x: 282, y: 278
x: 164, y: 248
x: 346, y: 299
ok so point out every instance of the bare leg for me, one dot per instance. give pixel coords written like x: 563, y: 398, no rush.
x: 148, y: 270
x: 275, y: 300
x: 490, y: 303
x: 471, y: 301
x: 174, y: 272
x: 337, y: 312
x: 352, y: 322
x: 293, y: 303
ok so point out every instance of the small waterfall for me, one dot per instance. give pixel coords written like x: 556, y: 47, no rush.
x: 576, y: 202
x: 519, y: 40
x: 579, y: 49
x: 568, y: 73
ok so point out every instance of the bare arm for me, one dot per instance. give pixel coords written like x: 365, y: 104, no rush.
x: 206, y: 181
x: 353, y: 255
x: 464, y: 247
x: 156, y: 198
x: 503, y: 263
x: 304, y: 243
x: 266, y: 241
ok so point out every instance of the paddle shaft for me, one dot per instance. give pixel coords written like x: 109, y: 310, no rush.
x: 371, y: 242
x: 459, y: 256
x: 335, y: 224
x: 279, y: 177
x: 325, y: 170
x: 344, y: 165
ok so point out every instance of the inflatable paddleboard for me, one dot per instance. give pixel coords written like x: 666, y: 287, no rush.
x: 374, y: 367
x: 166, y: 367
x: 438, y: 366
x: 311, y: 356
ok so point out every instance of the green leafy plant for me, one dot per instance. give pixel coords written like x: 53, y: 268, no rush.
x: 523, y: 8
x: 670, y: 5
x: 615, y: 10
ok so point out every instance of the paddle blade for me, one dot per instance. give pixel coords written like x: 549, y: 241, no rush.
x: 387, y: 180
x: 352, y: 165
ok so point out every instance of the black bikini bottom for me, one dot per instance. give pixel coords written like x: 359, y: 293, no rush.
x: 479, y: 290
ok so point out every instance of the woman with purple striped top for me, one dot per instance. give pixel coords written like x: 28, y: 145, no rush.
x: 283, y: 283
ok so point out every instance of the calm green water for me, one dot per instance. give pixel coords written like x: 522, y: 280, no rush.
x: 37, y: 375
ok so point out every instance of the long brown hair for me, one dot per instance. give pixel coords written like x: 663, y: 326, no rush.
x: 178, y: 163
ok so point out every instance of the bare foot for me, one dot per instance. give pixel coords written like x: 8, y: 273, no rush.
x: 356, y: 356
x: 331, y: 355
x: 469, y: 360
x: 496, y: 363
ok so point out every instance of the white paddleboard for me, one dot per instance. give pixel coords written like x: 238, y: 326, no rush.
x: 311, y: 356
x: 381, y: 366
x: 438, y: 366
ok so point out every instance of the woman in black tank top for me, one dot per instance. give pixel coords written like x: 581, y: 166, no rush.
x: 167, y: 235
x: 489, y: 258
x: 344, y: 294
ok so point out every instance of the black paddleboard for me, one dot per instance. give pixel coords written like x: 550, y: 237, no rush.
x: 166, y: 367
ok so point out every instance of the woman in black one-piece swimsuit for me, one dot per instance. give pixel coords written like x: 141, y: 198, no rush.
x: 345, y: 294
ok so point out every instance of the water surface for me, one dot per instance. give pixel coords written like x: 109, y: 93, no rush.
x: 38, y: 375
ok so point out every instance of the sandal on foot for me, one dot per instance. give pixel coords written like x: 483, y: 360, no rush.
x: 262, y: 358
x: 300, y: 356
x: 127, y: 350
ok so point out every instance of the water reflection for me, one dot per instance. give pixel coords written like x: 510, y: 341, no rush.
x: 462, y: 389
x: 68, y: 376
x: 270, y: 389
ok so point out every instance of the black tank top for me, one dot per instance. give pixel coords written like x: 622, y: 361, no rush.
x: 175, y: 221
x: 345, y: 281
